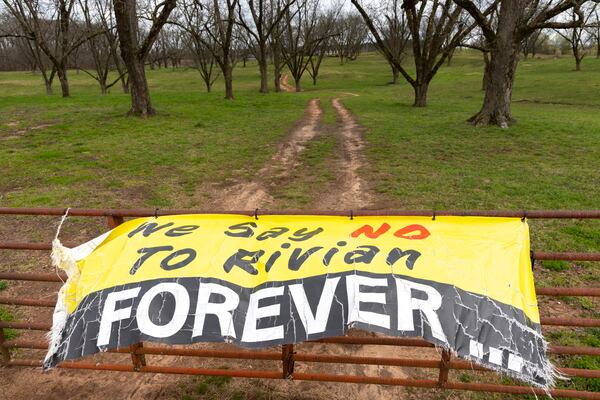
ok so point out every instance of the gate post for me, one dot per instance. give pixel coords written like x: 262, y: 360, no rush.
x: 138, y: 359
x: 287, y: 359
x: 4, y: 353
x: 443, y: 377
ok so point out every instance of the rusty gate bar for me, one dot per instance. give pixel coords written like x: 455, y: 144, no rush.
x: 568, y: 256
x: 92, y: 212
x: 423, y: 383
x: 288, y: 355
x: 448, y: 364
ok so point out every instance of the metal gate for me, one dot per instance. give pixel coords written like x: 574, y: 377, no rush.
x: 283, y: 361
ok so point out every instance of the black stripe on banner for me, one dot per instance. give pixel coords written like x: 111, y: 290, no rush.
x: 190, y: 310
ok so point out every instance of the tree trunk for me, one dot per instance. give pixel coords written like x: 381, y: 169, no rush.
x: 501, y: 74
x: 228, y: 77
x: 314, y: 79
x: 125, y: 85
x: 277, y: 82
x: 208, y: 87
x: 64, y: 82
x: 395, y: 75
x: 450, y: 56
x: 577, y: 63
x: 103, y: 88
x: 138, y: 86
x: 486, y: 71
x: 421, y: 94
x: 48, y: 85
x: 298, y: 85
x: 125, y: 16
x: 264, y: 77
x: 498, y: 91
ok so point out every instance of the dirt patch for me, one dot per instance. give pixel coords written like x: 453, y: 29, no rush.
x: 255, y: 194
x: 351, y: 190
x: 14, y: 133
x: 284, y: 83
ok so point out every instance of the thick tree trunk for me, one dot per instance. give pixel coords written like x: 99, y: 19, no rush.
x: 277, y: 82
x: 138, y: 87
x: 498, y: 91
x: 228, y: 77
x: 577, y: 64
x: 64, y: 82
x: 314, y: 79
x: 395, y: 75
x: 503, y: 64
x: 421, y: 94
x: 125, y: 16
x: 298, y: 85
x: 277, y: 68
x: 264, y: 77
x: 208, y: 87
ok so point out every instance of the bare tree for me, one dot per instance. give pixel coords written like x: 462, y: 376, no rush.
x: 578, y: 37
x: 48, y: 25
x: 436, y: 28
x: 593, y: 28
x: 205, y: 63
x: 395, y: 35
x: 260, y: 19
x: 301, y: 37
x: 134, y: 51
x: 326, y: 24
x: 532, y: 43
x: 19, y: 52
x: 516, y: 20
x: 276, y: 44
x: 192, y: 20
x: 96, y: 14
x: 350, y: 35
x: 220, y: 27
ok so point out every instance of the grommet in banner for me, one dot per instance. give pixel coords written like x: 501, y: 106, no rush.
x: 256, y: 214
x: 524, y: 216
x: 433, y: 214
x: 156, y: 213
x: 351, y: 215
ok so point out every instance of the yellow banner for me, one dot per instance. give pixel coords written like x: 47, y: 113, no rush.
x: 461, y: 283
x: 486, y: 256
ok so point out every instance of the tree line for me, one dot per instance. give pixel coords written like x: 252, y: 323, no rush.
x: 416, y: 38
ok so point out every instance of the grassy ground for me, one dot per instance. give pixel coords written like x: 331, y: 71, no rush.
x: 83, y: 151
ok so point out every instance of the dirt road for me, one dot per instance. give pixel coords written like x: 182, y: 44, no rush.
x: 349, y: 192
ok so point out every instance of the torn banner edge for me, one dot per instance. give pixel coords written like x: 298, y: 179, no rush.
x: 66, y: 259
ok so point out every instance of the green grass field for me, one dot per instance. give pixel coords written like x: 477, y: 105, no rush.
x: 84, y: 152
